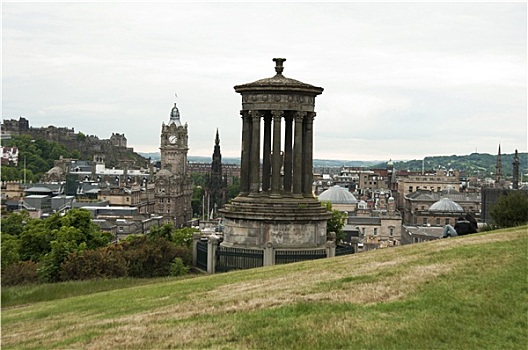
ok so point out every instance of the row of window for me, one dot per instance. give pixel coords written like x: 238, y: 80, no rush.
x: 364, y: 231
x: 438, y: 189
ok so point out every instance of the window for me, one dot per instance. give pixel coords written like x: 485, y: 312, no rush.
x: 363, y: 231
x: 447, y: 221
x: 375, y: 231
x: 410, y: 188
x: 438, y: 221
x: 424, y: 221
x: 391, y: 231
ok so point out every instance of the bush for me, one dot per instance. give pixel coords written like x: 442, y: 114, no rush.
x: 23, y: 272
x: 103, y: 263
x: 152, y: 256
x: 511, y: 210
x: 178, y: 268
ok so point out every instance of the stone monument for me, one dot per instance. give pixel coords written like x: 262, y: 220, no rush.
x: 276, y: 207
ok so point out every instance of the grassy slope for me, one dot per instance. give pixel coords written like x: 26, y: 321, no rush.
x: 465, y: 292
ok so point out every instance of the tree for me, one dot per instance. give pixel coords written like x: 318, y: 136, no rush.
x: 336, y: 222
x: 234, y: 189
x: 511, y: 210
x: 14, y: 223
x: 184, y: 236
x: 164, y: 231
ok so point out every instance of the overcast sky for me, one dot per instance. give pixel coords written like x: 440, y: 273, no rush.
x: 401, y: 80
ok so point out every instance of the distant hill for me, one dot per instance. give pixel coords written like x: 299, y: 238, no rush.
x: 472, y: 164
x: 482, y: 164
x: 155, y: 156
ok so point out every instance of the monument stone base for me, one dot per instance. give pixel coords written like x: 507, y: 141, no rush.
x: 285, y: 223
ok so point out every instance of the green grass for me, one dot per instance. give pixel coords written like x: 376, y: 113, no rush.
x: 468, y: 292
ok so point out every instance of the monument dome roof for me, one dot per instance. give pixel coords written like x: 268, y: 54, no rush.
x: 337, y: 195
x: 446, y: 204
x: 279, y: 82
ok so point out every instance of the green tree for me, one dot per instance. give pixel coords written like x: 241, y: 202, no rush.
x: 10, y: 173
x: 14, y: 223
x: 184, y: 236
x: 164, y: 231
x: 511, y: 210
x: 197, y: 200
x: 35, y: 241
x: 10, y: 249
x: 336, y: 222
x: 234, y: 189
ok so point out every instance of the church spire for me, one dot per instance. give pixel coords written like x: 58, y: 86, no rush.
x: 515, y: 164
x: 498, y: 169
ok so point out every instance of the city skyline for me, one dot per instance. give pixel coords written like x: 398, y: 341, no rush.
x: 401, y: 80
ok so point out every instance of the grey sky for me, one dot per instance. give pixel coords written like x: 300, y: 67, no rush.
x: 401, y: 80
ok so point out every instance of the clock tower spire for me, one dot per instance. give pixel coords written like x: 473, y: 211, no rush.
x: 173, y: 183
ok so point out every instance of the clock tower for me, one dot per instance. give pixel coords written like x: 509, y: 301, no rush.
x: 173, y: 183
x: 174, y: 144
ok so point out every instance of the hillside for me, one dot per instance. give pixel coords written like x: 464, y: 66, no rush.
x: 481, y: 164
x: 473, y: 164
x: 468, y: 292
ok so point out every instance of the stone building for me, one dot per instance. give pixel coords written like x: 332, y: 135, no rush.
x: 377, y: 221
x: 433, y: 208
x: 412, y: 182
x: 276, y: 207
x: 173, y: 183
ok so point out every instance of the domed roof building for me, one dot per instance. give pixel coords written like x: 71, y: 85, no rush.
x: 446, y: 205
x: 337, y: 195
x: 440, y: 208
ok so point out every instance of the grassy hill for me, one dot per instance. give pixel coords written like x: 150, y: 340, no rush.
x: 468, y: 292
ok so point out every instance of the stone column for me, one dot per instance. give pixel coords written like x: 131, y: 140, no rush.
x: 308, y: 155
x: 269, y: 255
x: 288, y: 154
x: 298, y: 155
x: 266, y: 154
x: 276, y: 161
x: 330, y: 249
x: 244, y: 158
x: 254, y: 159
x: 212, y: 245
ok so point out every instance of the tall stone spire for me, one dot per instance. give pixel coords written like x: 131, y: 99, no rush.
x: 216, y: 185
x: 515, y: 171
x: 498, y: 169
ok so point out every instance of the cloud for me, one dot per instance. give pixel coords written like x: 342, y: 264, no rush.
x: 398, y: 77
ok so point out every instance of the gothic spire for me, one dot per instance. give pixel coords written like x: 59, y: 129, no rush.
x: 498, y: 169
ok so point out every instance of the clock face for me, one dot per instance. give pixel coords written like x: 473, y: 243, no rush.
x: 173, y: 138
